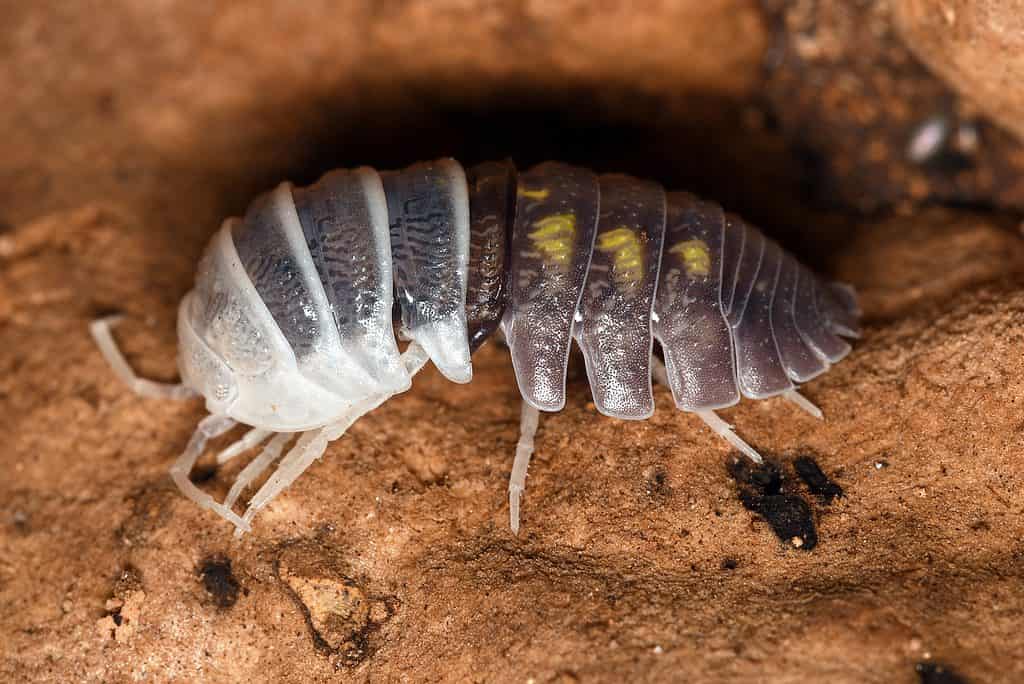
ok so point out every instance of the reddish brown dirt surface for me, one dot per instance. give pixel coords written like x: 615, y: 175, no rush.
x: 129, y: 132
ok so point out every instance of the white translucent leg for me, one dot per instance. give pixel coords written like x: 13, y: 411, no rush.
x: 719, y: 426
x: 414, y: 358
x: 312, y: 444
x: 528, y: 421
x: 248, y: 441
x: 804, y: 403
x: 256, y: 467
x: 100, y: 330
x: 208, y: 428
x: 723, y: 429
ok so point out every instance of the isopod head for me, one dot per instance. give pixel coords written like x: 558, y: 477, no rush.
x: 231, y: 351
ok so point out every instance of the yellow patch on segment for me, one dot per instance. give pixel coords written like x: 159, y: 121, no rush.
x: 540, y: 194
x: 627, y: 253
x: 696, y: 257
x: 554, y: 237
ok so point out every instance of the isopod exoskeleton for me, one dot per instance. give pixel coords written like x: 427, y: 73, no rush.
x: 291, y: 325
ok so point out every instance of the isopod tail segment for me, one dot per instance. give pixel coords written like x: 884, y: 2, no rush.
x: 291, y: 327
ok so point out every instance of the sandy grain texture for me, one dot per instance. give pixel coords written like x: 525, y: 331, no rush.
x: 646, y: 554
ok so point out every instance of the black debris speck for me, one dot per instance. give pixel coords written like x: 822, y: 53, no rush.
x: 816, y: 480
x: 657, y: 482
x: 21, y: 522
x: 219, y: 582
x: 760, y: 491
x: 937, y: 673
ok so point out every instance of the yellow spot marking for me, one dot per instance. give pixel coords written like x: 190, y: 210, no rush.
x: 534, y: 194
x: 627, y: 253
x: 554, y: 236
x: 696, y: 257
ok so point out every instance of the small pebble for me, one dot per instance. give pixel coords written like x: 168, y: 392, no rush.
x: 927, y: 139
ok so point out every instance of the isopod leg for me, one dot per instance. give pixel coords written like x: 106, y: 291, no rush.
x: 248, y: 441
x: 804, y: 403
x: 306, y: 450
x: 312, y: 444
x: 100, y: 329
x: 208, y: 428
x: 724, y: 430
x: 528, y: 422
x: 256, y: 467
x: 717, y: 425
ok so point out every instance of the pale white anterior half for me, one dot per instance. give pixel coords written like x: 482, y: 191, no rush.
x: 232, y: 352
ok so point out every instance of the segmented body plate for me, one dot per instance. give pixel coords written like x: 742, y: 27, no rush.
x: 553, y: 254
x: 552, y: 240
x: 614, y: 322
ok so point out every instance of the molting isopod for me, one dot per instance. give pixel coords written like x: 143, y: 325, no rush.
x: 291, y: 325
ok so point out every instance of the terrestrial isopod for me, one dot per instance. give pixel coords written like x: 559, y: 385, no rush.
x: 290, y: 327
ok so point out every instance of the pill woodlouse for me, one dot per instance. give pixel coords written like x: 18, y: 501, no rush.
x: 291, y: 325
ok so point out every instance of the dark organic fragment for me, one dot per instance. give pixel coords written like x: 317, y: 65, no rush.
x: 219, y: 581
x: 937, y: 673
x: 760, y: 491
x: 816, y: 480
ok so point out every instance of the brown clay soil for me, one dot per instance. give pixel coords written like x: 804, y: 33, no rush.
x: 884, y: 544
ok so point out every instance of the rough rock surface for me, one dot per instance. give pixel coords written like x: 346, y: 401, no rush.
x: 976, y: 45
x: 867, y: 125
x: 646, y: 553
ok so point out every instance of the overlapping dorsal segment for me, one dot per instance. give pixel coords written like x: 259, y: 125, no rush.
x: 784, y: 321
x: 799, y: 359
x: 273, y: 258
x: 812, y: 325
x: 613, y: 327
x: 428, y: 211
x: 552, y: 239
x: 748, y: 265
x: 273, y: 249
x: 492, y: 204
x: 734, y: 239
x: 344, y: 223
x: 228, y: 314
x: 759, y: 370
x: 689, y: 323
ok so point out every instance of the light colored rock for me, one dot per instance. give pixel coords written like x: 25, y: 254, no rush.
x: 977, y: 46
